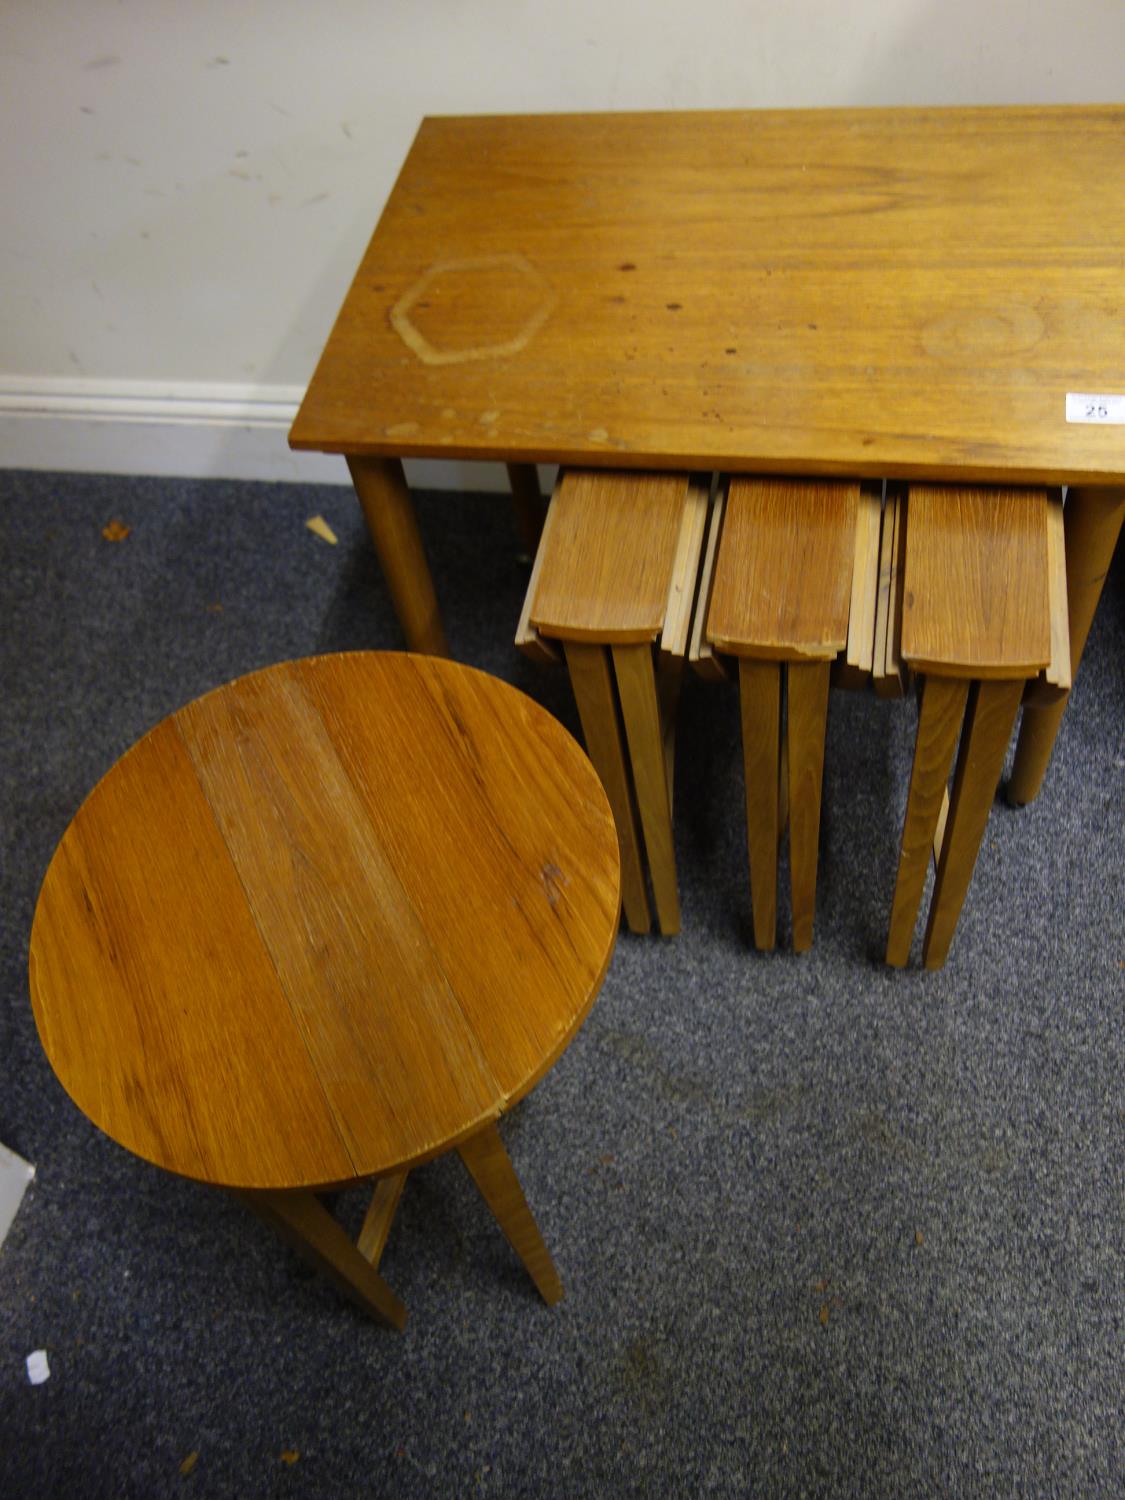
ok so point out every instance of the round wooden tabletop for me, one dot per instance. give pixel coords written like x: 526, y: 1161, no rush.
x: 326, y: 921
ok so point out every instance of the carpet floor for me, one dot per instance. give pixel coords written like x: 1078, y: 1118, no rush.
x: 825, y: 1228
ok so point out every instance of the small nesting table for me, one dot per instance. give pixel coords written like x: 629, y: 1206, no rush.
x: 322, y: 925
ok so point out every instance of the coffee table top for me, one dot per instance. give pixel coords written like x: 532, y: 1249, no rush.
x: 904, y: 293
x: 326, y: 921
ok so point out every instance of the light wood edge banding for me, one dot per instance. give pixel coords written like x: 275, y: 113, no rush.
x: 704, y: 660
x: 939, y: 831
x: 533, y: 645
x: 896, y: 667
x: 1059, y: 671
x: 1055, y: 681
x: 882, y: 599
x: 860, y: 650
x: 682, y: 590
x: 888, y: 671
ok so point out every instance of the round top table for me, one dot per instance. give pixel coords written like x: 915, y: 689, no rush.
x: 325, y: 923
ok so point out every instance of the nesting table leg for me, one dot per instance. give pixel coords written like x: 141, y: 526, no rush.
x: 989, y: 719
x: 492, y: 1171
x: 528, y: 505
x: 759, y: 684
x: 380, y: 1216
x: 939, y: 723
x: 806, y: 721
x: 1092, y: 521
x: 591, y: 679
x: 389, y: 511
x: 304, y: 1223
x: 640, y: 710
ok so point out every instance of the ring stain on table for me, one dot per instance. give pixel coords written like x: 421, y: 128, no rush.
x: 478, y: 307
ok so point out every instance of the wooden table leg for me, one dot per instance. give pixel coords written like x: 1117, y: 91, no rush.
x: 528, y: 505
x: 303, y: 1222
x: 759, y: 685
x: 389, y: 511
x: 380, y: 1216
x: 1092, y: 521
x: 592, y: 681
x: 939, y: 723
x: 492, y: 1171
x: 806, y: 722
x: 980, y: 763
x: 640, y: 710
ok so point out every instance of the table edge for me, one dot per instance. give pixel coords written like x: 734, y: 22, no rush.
x: 728, y: 463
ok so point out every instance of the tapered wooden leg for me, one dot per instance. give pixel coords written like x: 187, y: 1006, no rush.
x: 303, y: 1222
x: 1092, y: 520
x: 592, y: 681
x: 493, y: 1173
x: 640, y: 710
x: 380, y: 1216
x: 980, y: 762
x: 939, y: 723
x: 759, y: 685
x: 806, y: 720
x: 528, y: 505
x: 389, y: 512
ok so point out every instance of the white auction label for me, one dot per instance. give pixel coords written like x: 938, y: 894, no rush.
x: 1107, y: 409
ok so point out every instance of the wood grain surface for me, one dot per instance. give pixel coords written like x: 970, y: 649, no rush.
x: 595, y: 694
x: 381, y: 489
x: 649, y: 761
x: 608, y: 566
x: 860, y: 656
x: 1092, y: 522
x: 675, y: 637
x: 888, y: 292
x: 707, y: 663
x: 783, y: 576
x: 759, y: 685
x: 889, y: 672
x: 491, y: 1170
x: 939, y: 724
x: 325, y: 922
x: 989, y: 718
x: 806, y: 714
x: 975, y: 601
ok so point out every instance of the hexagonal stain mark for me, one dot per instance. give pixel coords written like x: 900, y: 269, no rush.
x: 997, y: 330
x: 516, y: 265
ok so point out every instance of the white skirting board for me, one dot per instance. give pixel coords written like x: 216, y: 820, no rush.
x: 193, y: 429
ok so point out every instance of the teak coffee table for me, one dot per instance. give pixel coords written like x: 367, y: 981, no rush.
x: 322, y: 925
x: 924, y: 294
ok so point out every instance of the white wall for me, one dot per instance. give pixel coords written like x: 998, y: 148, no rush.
x: 188, y: 184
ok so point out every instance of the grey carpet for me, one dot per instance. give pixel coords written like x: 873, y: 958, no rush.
x: 824, y: 1228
